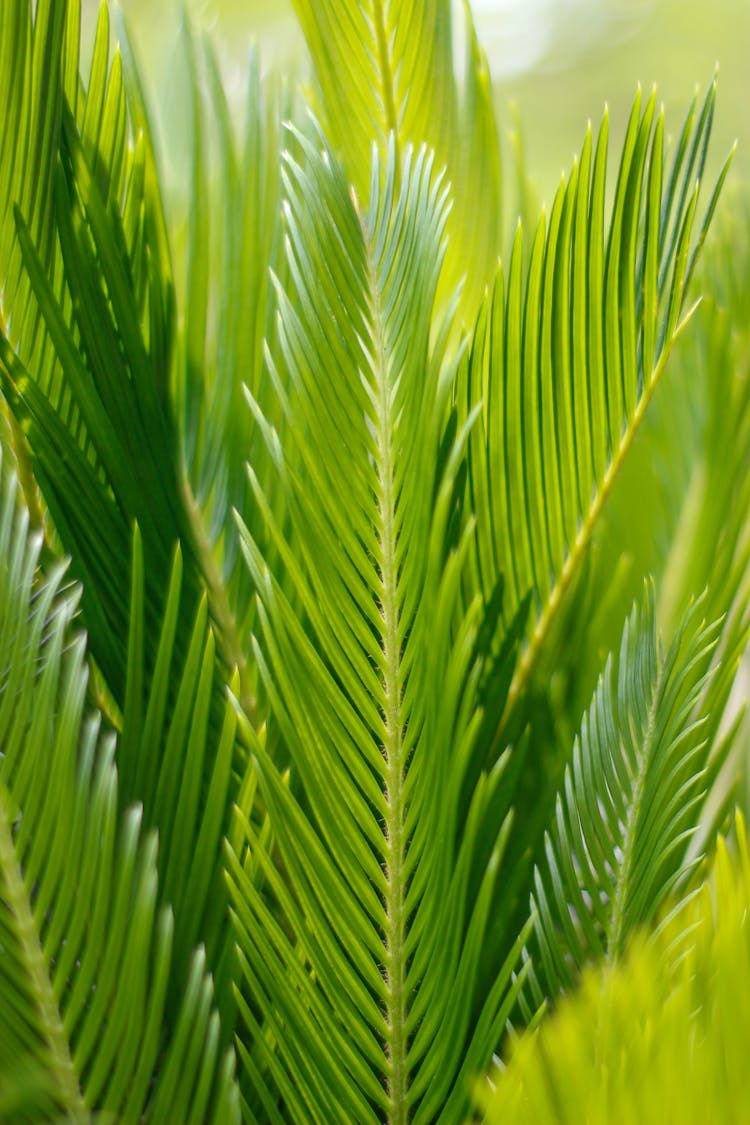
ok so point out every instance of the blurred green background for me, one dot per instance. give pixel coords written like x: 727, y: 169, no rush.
x: 554, y: 62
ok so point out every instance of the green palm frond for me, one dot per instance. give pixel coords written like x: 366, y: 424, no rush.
x: 630, y: 799
x: 171, y: 761
x: 566, y: 356
x: 38, y: 66
x: 283, y: 806
x: 86, y: 950
x: 387, y: 68
x: 110, y: 434
x: 659, y: 1037
x: 679, y: 508
x: 230, y: 307
x: 363, y: 995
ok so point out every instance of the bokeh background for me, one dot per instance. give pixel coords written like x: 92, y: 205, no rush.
x: 554, y: 62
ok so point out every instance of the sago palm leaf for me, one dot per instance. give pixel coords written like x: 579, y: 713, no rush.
x: 566, y: 356
x: 659, y: 1037
x: 120, y: 465
x: 630, y: 799
x: 107, y: 430
x: 677, y: 510
x: 229, y: 307
x: 364, y: 995
x: 387, y: 68
x: 85, y: 950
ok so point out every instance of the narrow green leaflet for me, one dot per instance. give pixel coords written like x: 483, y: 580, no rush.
x: 119, y: 464
x: 85, y: 949
x: 364, y: 993
x: 566, y: 356
x: 630, y: 800
x: 171, y: 760
x: 388, y: 68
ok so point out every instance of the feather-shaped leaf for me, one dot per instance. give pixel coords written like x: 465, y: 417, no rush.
x: 365, y: 996
x: 566, y: 356
x: 630, y: 798
x: 660, y: 1036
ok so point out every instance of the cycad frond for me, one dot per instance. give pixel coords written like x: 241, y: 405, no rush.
x: 86, y: 951
x: 566, y: 356
x: 176, y: 757
x: 119, y: 464
x: 630, y: 798
x: 363, y: 992
x: 655, y: 1038
x: 387, y: 68
x: 108, y: 431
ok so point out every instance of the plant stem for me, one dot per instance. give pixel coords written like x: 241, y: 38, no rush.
x: 228, y: 637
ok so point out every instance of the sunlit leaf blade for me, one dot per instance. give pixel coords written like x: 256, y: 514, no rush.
x: 565, y: 358
x: 388, y: 68
x: 364, y: 993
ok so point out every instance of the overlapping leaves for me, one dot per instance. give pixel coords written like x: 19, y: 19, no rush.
x: 397, y: 521
x: 106, y: 456
x: 388, y: 68
x: 659, y: 1036
x: 86, y: 948
x: 566, y: 356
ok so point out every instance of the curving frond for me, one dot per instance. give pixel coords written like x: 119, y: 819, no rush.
x: 86, y: 951
x: 364, y: 993
x: 387, y: 68
x: 630, y: 800
x: 110, y: 433
x: 657, y: 1037
x: 164, y: 681
x: 566, y: 355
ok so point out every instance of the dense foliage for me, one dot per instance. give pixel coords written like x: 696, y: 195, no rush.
x: 373, y: 587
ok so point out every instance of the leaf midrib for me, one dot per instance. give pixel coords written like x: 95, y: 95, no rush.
x: 574, y: 560
x: 394, y: 849
x: 386, y: 74
x: 60, y: 1060
x: 617, y: 917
